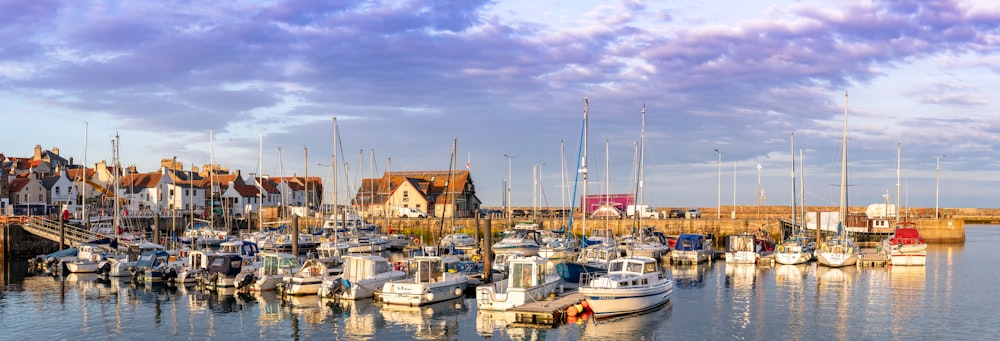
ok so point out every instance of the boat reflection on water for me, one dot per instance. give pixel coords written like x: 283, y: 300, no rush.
x: 644, y: 326
x: 909, y: 285
x: 432, y: 321
x: 834, y: 300
x: 687, y: 276
x: 741, y: 279
x: 791, y: 275
x: 360, y: 317
x: 741, y: 276
x: 503, y: 324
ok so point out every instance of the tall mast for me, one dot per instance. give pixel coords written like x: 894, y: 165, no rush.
x: 802, y: 191
x: 794, y: 215
x: 305, y: 161
x: 117, y: 187
x: 334, y: 166
x: 897, y: 181
x: 260, y: 182
x: 583, y: 162
x: 843, y: 173
x: 86, y: 219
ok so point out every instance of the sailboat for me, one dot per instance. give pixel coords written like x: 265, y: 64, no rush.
x: 644, y: 241
x: 592, y: 259
x: 798, y: 248
x: 840, y: 249
x: 436, y: 278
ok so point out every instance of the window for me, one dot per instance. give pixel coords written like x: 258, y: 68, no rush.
x: 57, y: 190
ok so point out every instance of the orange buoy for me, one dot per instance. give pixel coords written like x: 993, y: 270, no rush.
x: 579, y: 307
x: 572, y: 311
x: 586, y: 305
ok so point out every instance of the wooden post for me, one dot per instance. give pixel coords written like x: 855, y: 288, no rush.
x: 62, y: 234
x: 156, y: 228
x: 487, y: 251
x: 295, y: 236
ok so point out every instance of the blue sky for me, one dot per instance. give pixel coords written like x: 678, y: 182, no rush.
x: 405, y: 78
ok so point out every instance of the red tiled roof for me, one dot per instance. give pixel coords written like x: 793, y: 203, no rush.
x: 142, y: 180
x: 18, y: 184
x: 246, y: 191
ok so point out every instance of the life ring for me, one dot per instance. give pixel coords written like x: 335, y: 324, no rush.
x: 416, y: 241
x: 781, y: 249
x: 825, y: 247
x: 476, y: 258
x: 398, y: 266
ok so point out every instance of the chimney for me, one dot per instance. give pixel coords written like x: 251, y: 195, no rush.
x: 38, y: 152
x: 55, y: 150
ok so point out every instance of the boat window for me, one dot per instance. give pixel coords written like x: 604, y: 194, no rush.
x: 649, y: 267
x: 635, y: 267
x: 521, y: 275
x: 615, y: 266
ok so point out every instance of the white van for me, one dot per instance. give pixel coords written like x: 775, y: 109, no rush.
x: 407, y: 212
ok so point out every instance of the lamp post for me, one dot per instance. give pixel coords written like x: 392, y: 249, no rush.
x: 718, y: 205
x: 508, y: 211
x: 937, y: 177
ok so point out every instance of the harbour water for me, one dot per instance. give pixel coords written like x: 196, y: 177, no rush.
x: 953, y: 297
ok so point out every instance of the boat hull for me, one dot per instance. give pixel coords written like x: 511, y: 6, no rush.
x: 498, y: 296
x: 610, y: 302
x: 836, y: 259
x: 689, y: 257
x: 418, y: 294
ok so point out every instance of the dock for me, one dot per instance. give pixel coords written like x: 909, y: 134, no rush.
x: 871, y: 258
x: 548, y: 312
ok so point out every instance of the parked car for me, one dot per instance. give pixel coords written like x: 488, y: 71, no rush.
x: 518, y: 213
x: 676, y: 213
x: 693, y: 213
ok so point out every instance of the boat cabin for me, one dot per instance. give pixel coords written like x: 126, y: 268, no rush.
x: 239, y: 247
x: 229, y: 264
x: 278, y: 263
x: 431, y: 269
x: 526, y: 272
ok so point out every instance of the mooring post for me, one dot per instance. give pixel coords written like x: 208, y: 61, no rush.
x: 62, y: 235
x: 295, y: 235
x: 488, y: 250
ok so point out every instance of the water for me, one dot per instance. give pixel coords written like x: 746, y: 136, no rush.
x: 953, y: 297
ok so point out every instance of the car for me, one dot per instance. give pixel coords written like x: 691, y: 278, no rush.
x: 676, y: 213
x: 518, y: 213
x: 694, y: 213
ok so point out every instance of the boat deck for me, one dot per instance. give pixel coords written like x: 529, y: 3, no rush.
x: 548, y: 312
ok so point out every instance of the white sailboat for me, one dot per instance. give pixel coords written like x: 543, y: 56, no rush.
x: 797, y: 248
x: 840, y: 250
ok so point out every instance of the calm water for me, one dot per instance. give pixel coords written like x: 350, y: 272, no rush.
x: 953, y: 297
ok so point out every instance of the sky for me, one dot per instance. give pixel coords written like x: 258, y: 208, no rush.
x: 724, y: 85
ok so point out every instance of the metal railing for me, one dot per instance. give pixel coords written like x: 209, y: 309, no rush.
x: 49, y: 229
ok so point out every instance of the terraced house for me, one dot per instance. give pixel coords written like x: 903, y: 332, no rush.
x: 439, y: 193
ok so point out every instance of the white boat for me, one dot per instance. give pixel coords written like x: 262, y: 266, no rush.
x: 527, y: 281
x: 692, y: 249
x: 840, y: 250
x: 398, y: 241
x: 649, y: 243
x: 631, y: 285
x: 305, y: 281
x: 270, y: 271
x: 88, y: 259
x: 741, y: 249
x: 460, y: 241
x: 523, y: 238
x: 558, y: 245
x: 202, y: 234
x: 361, y: 277
x: 432, y: 282
x: 905, y: 246
x: 794, y: 250
x: 501, y: 261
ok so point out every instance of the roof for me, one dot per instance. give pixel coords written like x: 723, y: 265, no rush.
x: 246, y: 191
x: 142, y: 180
x: 18, y: 184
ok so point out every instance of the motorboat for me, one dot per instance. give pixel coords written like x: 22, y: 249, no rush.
x: 631, y: 285
x: 222, y: 270
x: 692, y: 248
x: 305, y: 281
x: 905, y: 246
x: 797, y: 249
x: 88, y: 259
x: 527, y: 281
x: 362, y: 276
x: 431, y: 282
x: 271, y: 270
x: 523, y: 238
x: 742, y: 249
x: 592, y: 260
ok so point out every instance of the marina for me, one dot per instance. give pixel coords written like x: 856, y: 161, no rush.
x: 943, y: 299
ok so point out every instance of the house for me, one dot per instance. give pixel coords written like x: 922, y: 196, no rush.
x: 25, y: 190
x: 184, y: 193
x: 60, y: 189
x: 301, y: 191
x: 146, y: 192
x: 241, y: 199
x: 440, y: 193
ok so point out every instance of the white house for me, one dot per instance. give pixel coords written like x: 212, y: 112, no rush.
x: 60, y: 189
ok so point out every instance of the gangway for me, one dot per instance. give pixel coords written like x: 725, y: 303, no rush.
x: 49, y: 229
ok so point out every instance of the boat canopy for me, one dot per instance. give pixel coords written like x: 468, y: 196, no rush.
x: 690, y: 242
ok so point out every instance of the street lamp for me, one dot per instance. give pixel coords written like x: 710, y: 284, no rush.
x: 937, y: 177
x: 508, y: 156
x: 718, y: 205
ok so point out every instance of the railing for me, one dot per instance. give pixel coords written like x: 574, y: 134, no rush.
x: 49, y: 229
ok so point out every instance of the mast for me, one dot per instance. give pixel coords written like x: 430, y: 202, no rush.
x: 898, y: 147
x: 211, y: 177
x: 640, y: 176
x: 562, y: 179
x: 794, y: 215
x: 843, y: 173
x: 305, y: 162
x: 86, y: 219
x: 802, y: 191
x: 117, y: 185
x: 260, y: 182
x: 583, y: 161
x: 334, y: 166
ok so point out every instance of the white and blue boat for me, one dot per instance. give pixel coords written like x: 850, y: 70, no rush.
x: 631, y: 285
